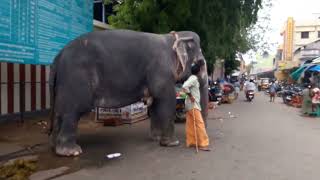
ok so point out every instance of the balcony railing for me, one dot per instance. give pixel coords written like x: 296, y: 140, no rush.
x: 310, y: 53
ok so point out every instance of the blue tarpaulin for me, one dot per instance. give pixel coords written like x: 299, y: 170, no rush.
x: 301, y: 70
x: 315, y: 68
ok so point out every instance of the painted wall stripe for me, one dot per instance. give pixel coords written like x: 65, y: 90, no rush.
x: 28, y: 87
x: 38, y: 87
x: 16, y: 88
x: 47, y: 87
x: 4, y: 73
x: 33, y: 87
x: 10, y: 88
x: 0, y: 88
x: 43, y: 86
x: 22, y: 90
x: 4, y: 95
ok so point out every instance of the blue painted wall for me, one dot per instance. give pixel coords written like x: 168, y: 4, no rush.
x: 34, y: 31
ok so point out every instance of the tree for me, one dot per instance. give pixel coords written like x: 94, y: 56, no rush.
x: 223, y: 25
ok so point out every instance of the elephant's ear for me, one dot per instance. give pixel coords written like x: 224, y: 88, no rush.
x: 180, y: 47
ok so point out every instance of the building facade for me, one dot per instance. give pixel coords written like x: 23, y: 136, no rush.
x: 296, y: 35
x: 307, y: 52
x: 37, y: 31
x: 306, y: 32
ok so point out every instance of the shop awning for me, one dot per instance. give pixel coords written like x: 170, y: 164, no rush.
x: 296, y: 74
x: 299, y: 72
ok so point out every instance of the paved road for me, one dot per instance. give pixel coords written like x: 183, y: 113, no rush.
x: 265, y: 141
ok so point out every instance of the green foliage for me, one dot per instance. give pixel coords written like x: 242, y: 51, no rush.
x: 223, y: 25
x: 230, y: 64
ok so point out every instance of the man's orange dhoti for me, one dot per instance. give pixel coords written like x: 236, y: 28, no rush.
x: 203, y: 140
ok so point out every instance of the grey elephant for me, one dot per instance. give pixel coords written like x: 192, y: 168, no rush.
x: 115, y: 68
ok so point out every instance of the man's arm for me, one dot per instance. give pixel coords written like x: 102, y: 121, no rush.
x: 186, y: 88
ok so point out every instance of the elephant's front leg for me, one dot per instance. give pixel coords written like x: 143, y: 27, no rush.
x: 155, y: 127
x: 66, y: 138
x: 162, y: 119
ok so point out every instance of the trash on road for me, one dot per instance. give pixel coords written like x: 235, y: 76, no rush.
x: 114, y: 155
x: 231, y: 115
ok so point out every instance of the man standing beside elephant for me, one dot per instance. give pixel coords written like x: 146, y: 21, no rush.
x: 195, y: 127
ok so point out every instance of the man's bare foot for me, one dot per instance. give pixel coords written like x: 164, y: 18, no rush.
x: 204, y: 149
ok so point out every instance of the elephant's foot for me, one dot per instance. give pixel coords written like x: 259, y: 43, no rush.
x: 68, y: 150
x: 155, y: 135
x: 155, y: 138
x: 169, y: 142
x: 52, y: 140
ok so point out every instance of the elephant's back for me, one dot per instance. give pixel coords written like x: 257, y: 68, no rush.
x: 121, y: 52
x: 119, y: 39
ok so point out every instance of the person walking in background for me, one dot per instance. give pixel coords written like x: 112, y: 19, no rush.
x: 196, y: 134
x: 306, y: 101
x: 237, y: 89
x: 272, y: 91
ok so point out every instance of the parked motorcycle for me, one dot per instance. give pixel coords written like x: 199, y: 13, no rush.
x: 292, y: 95
x: 180, y: 105
x: 215, y: 93
x: 180, y: 109
x: 250, y: 95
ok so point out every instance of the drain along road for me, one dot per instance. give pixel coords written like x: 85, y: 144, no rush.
x: 264, y: 141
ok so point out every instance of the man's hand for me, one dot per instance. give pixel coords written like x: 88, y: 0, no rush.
x: 192, y: 99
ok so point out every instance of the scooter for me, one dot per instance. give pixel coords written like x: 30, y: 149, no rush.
x: 180, y: 104
x: 180, y: 109
x: 250, y: 95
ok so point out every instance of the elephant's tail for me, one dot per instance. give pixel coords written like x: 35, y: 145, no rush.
x: 52, y: 87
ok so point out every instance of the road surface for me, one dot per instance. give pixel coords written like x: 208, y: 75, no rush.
x: 264, y: 141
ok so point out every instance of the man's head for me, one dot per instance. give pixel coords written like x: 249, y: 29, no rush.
x: 195, y: 68
x: 251, y: 80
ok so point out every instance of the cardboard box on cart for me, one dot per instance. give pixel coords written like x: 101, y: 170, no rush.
x: 109, y: 117
x: 125, y: 115
x: 134, y: 113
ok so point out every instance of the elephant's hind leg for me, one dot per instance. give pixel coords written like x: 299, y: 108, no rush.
x: 162, y: 115
x: 66, y: 138
x: 56, y: 125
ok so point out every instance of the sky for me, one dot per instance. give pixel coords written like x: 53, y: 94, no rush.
x: 281, y: 10
x: 298, y: 9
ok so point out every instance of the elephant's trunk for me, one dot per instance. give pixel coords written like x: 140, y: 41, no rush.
x: 203, y: 80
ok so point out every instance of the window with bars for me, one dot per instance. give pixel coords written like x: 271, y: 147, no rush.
x: 101, y: 12
x: 305, y: 35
